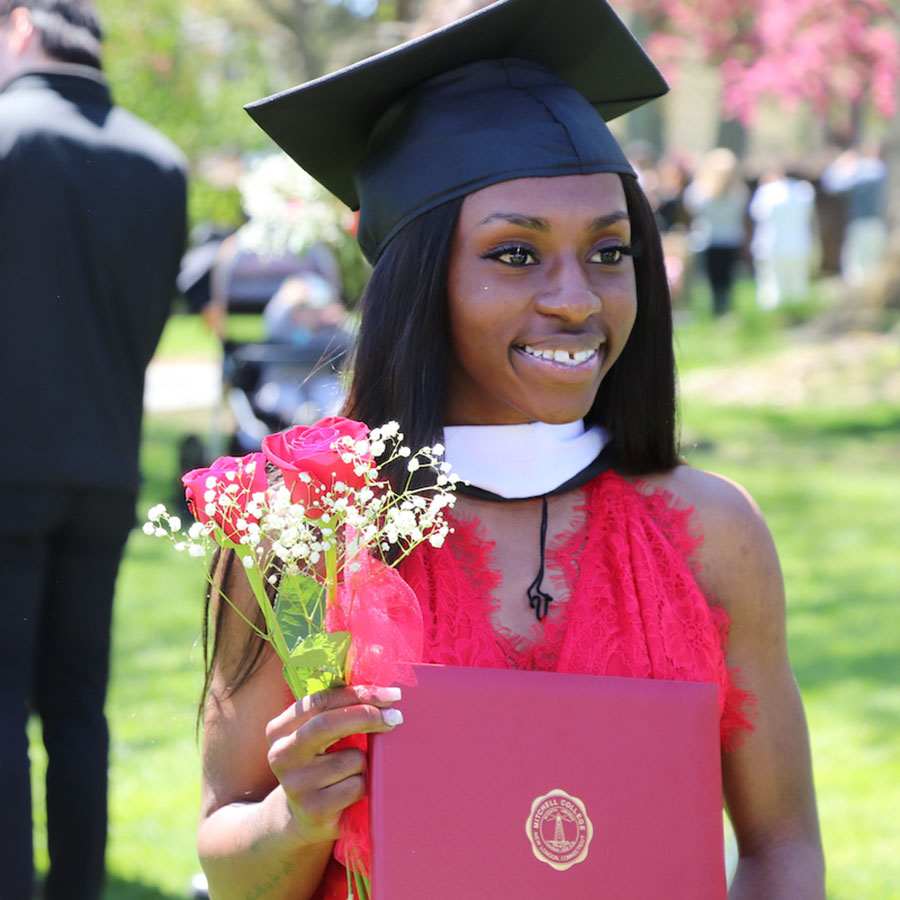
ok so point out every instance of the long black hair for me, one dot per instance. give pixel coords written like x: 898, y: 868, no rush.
x: 401, y: 357
x: 636, y: 400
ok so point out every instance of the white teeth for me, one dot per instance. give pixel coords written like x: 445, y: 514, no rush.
x: 561, y: 356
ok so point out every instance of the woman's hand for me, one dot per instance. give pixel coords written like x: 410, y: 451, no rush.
x: 272, y: 796
x: 319, y: 785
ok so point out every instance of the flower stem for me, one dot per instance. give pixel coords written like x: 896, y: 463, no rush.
x: 275, y: 636
x: 331, y: 575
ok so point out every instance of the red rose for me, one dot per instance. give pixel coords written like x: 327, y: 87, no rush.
x: 230, y: 505
x: 310, y: 449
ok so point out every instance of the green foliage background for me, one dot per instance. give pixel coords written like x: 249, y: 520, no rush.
x: 189, y: 67
x: 189, y: 71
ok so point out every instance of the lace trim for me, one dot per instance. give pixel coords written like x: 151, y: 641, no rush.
x: 630, y: 567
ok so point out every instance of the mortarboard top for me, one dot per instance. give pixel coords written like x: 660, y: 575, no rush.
x: 520, y: 88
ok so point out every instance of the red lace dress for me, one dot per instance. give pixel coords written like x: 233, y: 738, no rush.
x: 634, y: 607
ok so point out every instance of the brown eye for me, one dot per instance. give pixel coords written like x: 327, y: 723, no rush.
x: 610, y: 256
x: 514, y: 256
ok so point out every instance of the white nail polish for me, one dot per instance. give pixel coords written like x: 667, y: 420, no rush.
x: 388, y: 695
x: 392, y: 717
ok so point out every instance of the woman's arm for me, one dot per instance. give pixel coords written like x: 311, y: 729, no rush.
x: 272, y: 797
x: 767, y: 781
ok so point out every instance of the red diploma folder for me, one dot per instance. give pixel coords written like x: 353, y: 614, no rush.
x: 508, y: 785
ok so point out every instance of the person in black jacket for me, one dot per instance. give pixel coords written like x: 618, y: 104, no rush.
x: 92, y: 215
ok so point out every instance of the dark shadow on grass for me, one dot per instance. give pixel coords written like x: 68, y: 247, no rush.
x: 879, y: 667
x: 854, y: 423
x: 810, y: 427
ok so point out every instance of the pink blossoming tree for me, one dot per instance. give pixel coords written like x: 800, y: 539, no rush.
x: 840, y: 57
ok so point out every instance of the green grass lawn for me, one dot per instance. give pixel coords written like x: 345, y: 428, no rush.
x: 829, y: 486
x: 828, y: 480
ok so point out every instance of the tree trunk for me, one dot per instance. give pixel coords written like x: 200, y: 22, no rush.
x: 733, y: 135
x: 408, y: 10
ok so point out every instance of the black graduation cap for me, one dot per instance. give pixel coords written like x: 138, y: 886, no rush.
x: 518, y: 89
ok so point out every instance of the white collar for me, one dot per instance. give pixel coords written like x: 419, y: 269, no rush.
x: 527, y: 460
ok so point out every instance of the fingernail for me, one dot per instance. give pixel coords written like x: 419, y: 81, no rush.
x: 387, y: 695
x: 392, y: 717
x: 379, y: 694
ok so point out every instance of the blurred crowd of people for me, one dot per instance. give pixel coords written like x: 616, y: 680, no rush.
x: 719, y: 219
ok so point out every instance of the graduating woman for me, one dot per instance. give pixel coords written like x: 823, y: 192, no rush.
x: 517, y: 311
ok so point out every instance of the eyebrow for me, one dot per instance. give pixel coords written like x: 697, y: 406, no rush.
x: 537, y: 224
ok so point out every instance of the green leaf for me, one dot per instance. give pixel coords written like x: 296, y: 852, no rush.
x: 299, y: 608
x: 317, y: 662
x: 322, y: 650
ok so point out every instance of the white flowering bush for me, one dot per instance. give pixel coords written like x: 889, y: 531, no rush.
x: 288, y: 210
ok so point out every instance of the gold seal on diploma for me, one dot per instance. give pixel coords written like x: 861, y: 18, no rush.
x: 559, y: 830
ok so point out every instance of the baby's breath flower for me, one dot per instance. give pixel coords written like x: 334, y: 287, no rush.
x: 278, y: 537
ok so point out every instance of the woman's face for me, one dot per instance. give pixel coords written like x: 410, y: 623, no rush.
x: 542, y: 299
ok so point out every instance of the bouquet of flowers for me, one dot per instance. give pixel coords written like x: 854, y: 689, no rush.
x: 313, y: 517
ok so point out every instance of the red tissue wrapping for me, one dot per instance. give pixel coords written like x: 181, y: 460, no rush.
x: 383, y: 616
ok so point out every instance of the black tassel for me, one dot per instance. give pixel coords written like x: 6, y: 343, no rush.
x: 538, y: 599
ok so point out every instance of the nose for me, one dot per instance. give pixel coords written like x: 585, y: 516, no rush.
x: 568, y: 293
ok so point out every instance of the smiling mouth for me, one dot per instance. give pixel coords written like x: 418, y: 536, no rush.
x: 565, y: 357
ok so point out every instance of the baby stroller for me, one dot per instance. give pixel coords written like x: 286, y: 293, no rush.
x: 273, y: 386
x: 292, y: 375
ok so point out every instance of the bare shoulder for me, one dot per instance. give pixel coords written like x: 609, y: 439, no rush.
x: 718, y: 502
x: 737, y: 549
